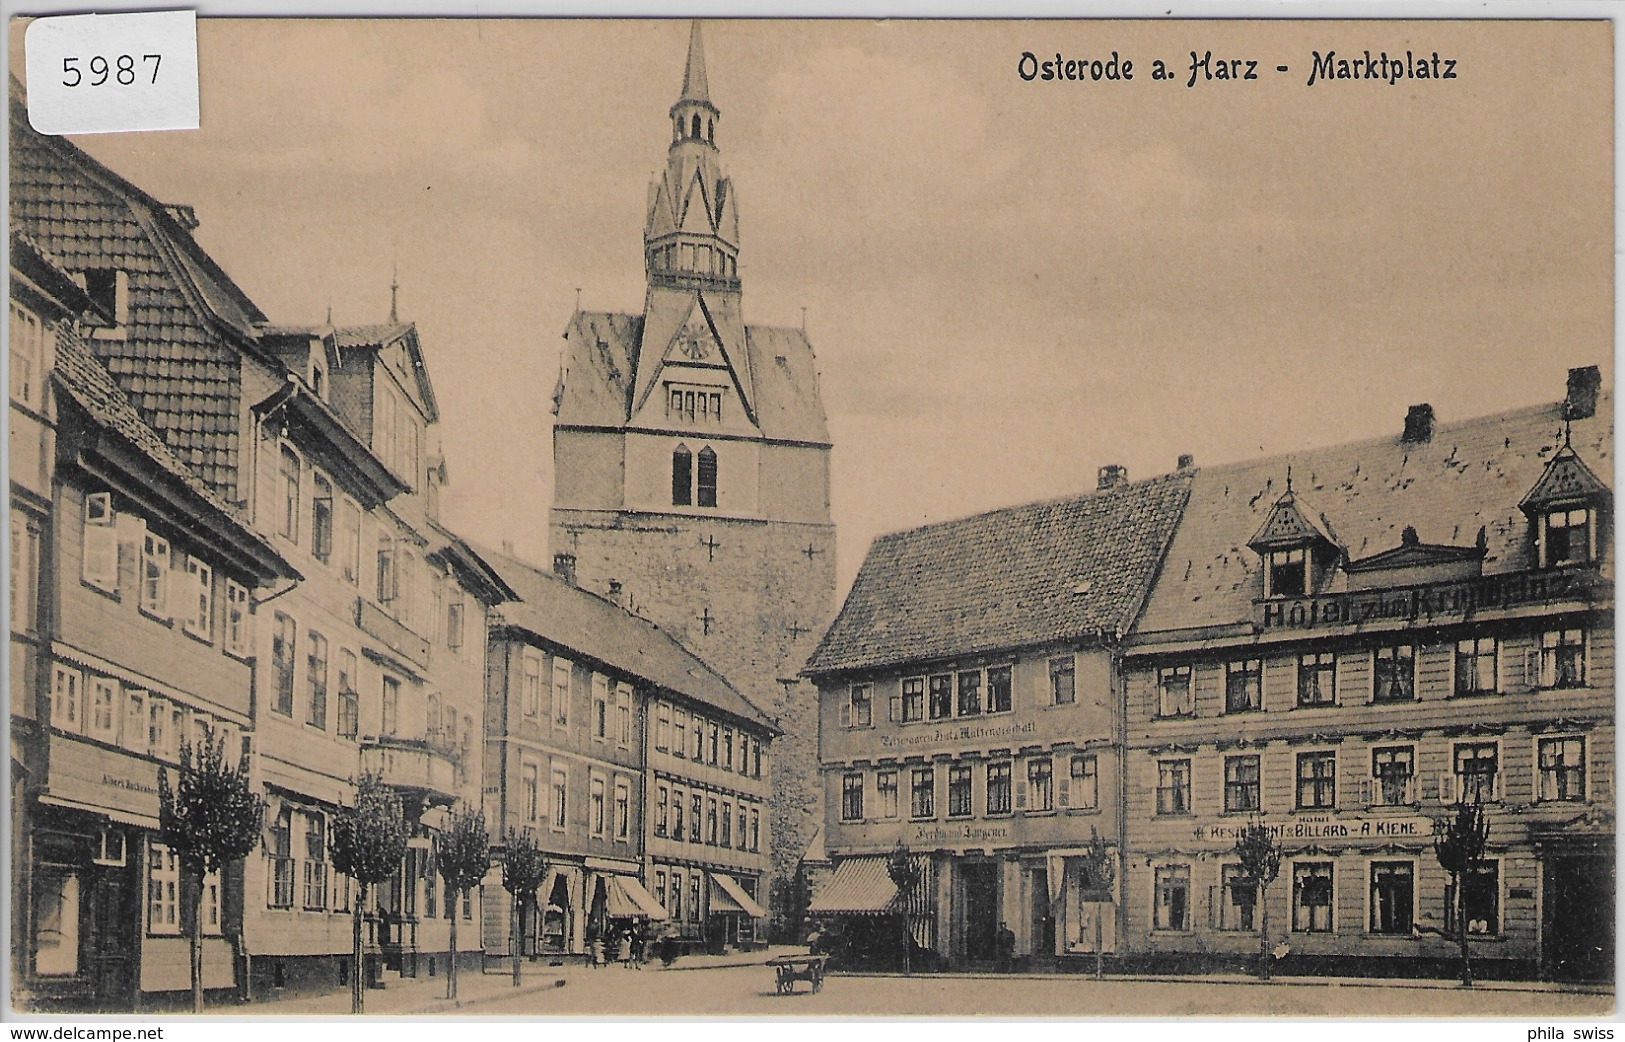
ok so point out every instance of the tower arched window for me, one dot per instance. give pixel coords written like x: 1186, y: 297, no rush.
x: 682, y: 476
x: 696, y: 133
x: 711, y: 131
x: 707, y: 484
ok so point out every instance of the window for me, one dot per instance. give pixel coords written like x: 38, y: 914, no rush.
x: 1317, y: 780
x: 694, y: 897
x: 237, y: 632
x: 1562, y: 769
x: 1312, y: 897
x: 678, y: 803
x: 104, y: 709
x: 390, y: 716
x: 1288, y: 574
x: 349, y: 697
x: 100, y: 565
x: 199, y: 617
x: 623, y: 809
x: 682, y: 476
x: 289, y: 521
x: 56, y: 923
x: 561, y: 784
x: 1393, y: 895
x: 959, y: 796
x: 600, y: 706
x: 316, y: 670
x: 163, y: 890
x: 913, y: 699
x: 595, y: 805
x: 1563, y: 658
x: 388, y: 584
x: 998, y: 689
x: 663, y: 727
x: 740, y: 816
x: 1062, y: 682
x: 1483, y: 901
x: 1173, y: 898
x: 711, y: 820
x: 755, y: 830
x: 67, y: 699
x: 321, y: 517
x: 157, y: 725
x: 1317, y: 679
x: 1568, y: 536
x: 699, y: 739
x: 1477, y: 772
x: 696, y: 806
x: 281, y: 856
x: 1393, y: 772
x: 727, y: 824
x: 623, y: 716
x: 350, y: 541
x: 859, y: 708
x: 1243, y: 685
x: 155, y: 576
x: 679, y: 736
x: 27, y: 355
x: 662, y: 802
x: 676, y: 909
x: 282, y: 651
x: 998, y: 787
x: 1241, y: 791
x: 1393, y: 674
x: 109, y: 288
x: 705, y: 485
x: 315, y: 867
x: 1040, y: 784
x: 922, y: 793
x: 1173, y: 786
x: 1475, y: 666
x: 530, y: 786
x: 1085, y: 783
x: 1174, y: 691
x: 885, y: 793
x: 455, y: 612
x: 727, y: 748
x: 561, y: 693
x: 531, y: 681
x: 135, y: 720
x: 970, y: 693
x: 942, y: 696
x: 24, y: 572
x: 1238, y: 899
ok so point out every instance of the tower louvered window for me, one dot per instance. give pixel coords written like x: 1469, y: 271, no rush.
x: 706, y: 493
x: 682, y: 476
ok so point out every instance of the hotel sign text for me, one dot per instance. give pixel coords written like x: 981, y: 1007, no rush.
x: 1457, y: 599
x: 1326, y: 827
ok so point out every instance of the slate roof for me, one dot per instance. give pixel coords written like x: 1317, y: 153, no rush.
x: 1472, y: 474
x: 1063, y: 570
x: 600, y: 375
x: 589, y: 625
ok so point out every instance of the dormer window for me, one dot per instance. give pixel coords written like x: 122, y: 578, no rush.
x: 1287, y: 574
x: 318, y: 376
x: 1295, y: 547
x: 1565, y: 511
x: 1568, y: 536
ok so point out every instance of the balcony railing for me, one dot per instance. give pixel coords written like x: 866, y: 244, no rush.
x: 412, y: 764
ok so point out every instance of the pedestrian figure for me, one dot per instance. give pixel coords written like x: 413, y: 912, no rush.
x: 623, y: 951
x: 598, y: 953
x: 1007, y: 948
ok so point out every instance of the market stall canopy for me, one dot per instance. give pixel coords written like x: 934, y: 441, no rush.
x: 860, y: 886
x: 728, y: 896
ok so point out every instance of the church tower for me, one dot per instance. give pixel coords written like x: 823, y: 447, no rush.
x: 691, y: 460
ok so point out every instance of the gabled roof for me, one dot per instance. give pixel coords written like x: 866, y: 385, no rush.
x: 1565, y: 479
x: 1066, y: 570
x: 1470, y: 475
x: 1289, y: 524
x: 1413, y: 553
x: 583, y: 625
x: 375, y: 338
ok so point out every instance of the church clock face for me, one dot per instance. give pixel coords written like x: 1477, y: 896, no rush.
x: 696, y: 346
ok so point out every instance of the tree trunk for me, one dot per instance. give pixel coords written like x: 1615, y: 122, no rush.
x: 357, y: 968
x: 516, y: 934
x: 196, y: 945
x: 1100, y: 953
x: 1461, y: 930
x: 1263, y: 933
x: 451, y: 970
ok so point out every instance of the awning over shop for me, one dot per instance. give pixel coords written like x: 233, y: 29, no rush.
x: 625, y: 898
x: 728, y: 896
x: 860, y: 886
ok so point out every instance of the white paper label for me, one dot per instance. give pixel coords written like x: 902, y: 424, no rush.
x: 101, y: 73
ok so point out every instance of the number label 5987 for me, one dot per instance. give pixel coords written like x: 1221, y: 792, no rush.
x: 123, y: 69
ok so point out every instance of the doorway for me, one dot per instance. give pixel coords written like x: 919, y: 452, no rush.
x: 979, y: 883
x: 1043, y: 923
x: 1578, y: 931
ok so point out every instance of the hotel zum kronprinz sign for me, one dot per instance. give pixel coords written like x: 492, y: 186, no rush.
x: 1457, y: 599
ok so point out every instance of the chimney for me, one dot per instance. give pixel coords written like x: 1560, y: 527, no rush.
x: 1581, y: 402
x: 1187, y: 461
x: 1418, y: 424
x: 564, y: 566
x: 1111, y: 475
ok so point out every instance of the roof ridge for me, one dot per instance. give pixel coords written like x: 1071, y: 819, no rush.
x: 1073, y: 497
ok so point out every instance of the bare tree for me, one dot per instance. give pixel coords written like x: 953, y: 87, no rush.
x: 463, y: 859
x: 1460, y: 846
x: 209, y: 819
x: 905, y: 874
x: 369, y: 840
x: 1260, y: 856
x: 1101, y: 873
x: 523, y: 869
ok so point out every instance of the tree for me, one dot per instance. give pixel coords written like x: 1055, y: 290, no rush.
x: 209, y: 819
x: 1260, y: 856
x: 463, y: 859
x: 369, y: 840
x: 523, y: 869
x: 1460, y: 846
x: 904, y: 874
x: 1100, y: 873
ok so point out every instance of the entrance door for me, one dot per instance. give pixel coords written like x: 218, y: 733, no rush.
x: 980, y: 880
x: 110, y: 937
x: 1043, y: 922
x: 1578, y: 933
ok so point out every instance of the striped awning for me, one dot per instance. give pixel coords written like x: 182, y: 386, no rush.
x: 728, y: 896
x: 860, y: 886
x: 625, y: 898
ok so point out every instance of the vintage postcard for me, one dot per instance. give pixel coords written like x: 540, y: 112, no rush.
x: 538, y: 517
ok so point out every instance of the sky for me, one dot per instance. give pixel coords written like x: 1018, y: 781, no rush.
x: 1008, y: 283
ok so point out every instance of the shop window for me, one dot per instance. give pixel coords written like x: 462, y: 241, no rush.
x: 959, y: 790
x: 1476, y: 666
x: 1237, y: 900
x: 1393, y: 673
x: 1317, y: 679
x: 1288, y: 573
x: 56, y: 923
x: 282, y: 652
x: 852, y: 797
x: 1568, y: 536
x: 1243, y: 685
x: 316, y: 677
x: 1062, y: 681
x: 1173, y: 898
x: 1563, y: 769
x: 1040, y: 784
x: 1085, y: 783
x: 1563, y: 658
x: 970, y: 693
x: 1174, y: 691
x: 321, y: 517
x: 942, y: 696
x: 163, y: 890
x: 1483, y: 901
x: 1312, y: 897
x: 1393, y: 893
x: 885, y: 794
x: 1173, y: 786
x: 280, y: 854
x: 1241, y: 785
x: 1317, y: 781
x: 1477, y: 773
x: 1393, y: 775
x: 922, y: 793
x: 998, y: 689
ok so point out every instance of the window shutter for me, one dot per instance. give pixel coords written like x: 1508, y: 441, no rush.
x: 1065, y: 794
x: 1447, y: 787
x: 1021, y: 794
x: 1363, y: 791
x: 894, y: 708
x: 846, y: 711
x: 100, y: 564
